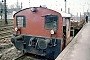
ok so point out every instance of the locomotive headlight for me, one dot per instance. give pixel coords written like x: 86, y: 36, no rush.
x: 16, y: 29
x: 52, y: 32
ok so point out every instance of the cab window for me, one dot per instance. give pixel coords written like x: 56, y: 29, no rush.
x: 20, y: 21
x: 51, y: 22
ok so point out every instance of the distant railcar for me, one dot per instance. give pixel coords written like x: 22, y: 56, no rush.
x: 77, y: 24
x: 41, y: 31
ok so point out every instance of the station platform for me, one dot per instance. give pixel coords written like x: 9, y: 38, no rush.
x: 79, y: 47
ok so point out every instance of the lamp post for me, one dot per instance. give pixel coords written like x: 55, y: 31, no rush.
x: 29, y: 3
x: 21, y: 5
x: 83, y: 9
x: 88, y: 9
x: 1, y: 10
x: 5, y: 12
x: 65, y: 6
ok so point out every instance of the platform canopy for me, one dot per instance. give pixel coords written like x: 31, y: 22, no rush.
x: 65, y: 14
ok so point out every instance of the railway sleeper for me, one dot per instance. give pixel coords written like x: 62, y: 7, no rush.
x: 5, y: 46
x: 5, y: 37
x: 28, y: 56
x: 6, y: 32
x: 4, y: 29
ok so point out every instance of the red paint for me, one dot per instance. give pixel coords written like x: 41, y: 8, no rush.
x: 35, y: 22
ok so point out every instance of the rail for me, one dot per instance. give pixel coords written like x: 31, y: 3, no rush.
x: 29, y: 56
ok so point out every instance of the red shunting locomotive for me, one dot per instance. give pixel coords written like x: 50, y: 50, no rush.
x: 39, y: 31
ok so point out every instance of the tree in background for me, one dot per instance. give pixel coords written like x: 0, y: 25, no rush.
x: 10, y: 8
x: 15, y: 7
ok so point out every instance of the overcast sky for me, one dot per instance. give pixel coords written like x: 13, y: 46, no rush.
x: 74, y: 5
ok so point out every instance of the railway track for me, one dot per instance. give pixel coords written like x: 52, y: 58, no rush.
x: 28, y: 56
x: 10, y: 23
x: 6, y: 28
x: 7, y: 50
x: 6, y: 32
